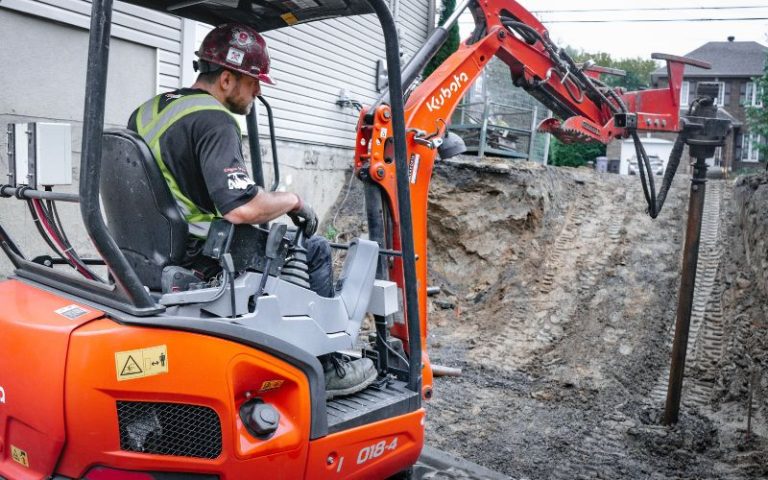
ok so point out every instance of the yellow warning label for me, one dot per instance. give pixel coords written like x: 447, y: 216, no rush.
x: 290, y: 18
x: 19, y: 456
x: 141, y: 363
x: 271, y: 385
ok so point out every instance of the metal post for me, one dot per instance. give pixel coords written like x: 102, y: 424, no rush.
x: 484, y: 123
x: 687, y: 283
x: 532, y: 138
x: 90, y: 168
x: 252, y: 122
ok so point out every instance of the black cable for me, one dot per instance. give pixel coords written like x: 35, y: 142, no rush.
x: 643, y: 168
x: 57, y: 220
x: 221, y: 289
x: 389, y: 347
x: 6, y: 240
x: 569, y: 81
x: 656, y: 202
x: 51, y: 215
x: 43, y: 234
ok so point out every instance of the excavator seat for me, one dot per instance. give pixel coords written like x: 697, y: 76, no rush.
x: 141, y: 212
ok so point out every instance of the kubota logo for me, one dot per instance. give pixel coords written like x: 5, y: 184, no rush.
x: 2, y: 395
x: 446, y: 93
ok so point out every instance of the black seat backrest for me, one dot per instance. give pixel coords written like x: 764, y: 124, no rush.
x: 141, y: 212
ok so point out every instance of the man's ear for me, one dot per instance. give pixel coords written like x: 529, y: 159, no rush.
x: 227, y: 80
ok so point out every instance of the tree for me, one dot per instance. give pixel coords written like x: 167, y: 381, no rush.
x: 450, y: 45
x: 574, y: 154
x: 638, y: 69
x: 757, y: 117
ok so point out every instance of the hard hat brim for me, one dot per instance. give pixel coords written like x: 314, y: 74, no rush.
x: 265, y: 78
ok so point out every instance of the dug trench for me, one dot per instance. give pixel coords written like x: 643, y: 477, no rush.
x: 558, y: 300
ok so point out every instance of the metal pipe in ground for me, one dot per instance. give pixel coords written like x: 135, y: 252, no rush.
x: 687, y: 284
x: 443, y: 371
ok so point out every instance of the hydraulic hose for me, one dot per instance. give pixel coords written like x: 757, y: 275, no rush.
x: 64, y: 250
x: 656, y: 202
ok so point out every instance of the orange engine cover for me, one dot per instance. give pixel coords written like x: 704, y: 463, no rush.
x: 81, y: 390
x: 35, y: 329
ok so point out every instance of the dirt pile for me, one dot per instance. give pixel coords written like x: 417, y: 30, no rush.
x: 563, y: 321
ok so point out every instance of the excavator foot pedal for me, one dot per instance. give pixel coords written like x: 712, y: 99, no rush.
x: 382, y: 383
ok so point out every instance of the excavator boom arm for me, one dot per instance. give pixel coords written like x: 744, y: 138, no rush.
x: 585, y: 110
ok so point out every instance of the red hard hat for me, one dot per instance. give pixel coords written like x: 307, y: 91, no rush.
x: 238, y: 48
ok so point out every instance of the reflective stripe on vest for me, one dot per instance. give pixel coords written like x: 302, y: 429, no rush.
x: 151, y: 126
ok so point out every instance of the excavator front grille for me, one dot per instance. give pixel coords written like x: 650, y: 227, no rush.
x: 169, y: 429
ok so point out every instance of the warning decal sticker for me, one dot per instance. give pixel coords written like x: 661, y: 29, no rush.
x: 271, y: 385
x: 141, y: 363
x: 72, y: 311
x: 289, y: 18
x: 19, y: 456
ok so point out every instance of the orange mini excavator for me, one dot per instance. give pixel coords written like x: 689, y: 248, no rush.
x: 111, y: 369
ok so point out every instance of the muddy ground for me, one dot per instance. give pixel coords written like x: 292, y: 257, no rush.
x: 558, y: 303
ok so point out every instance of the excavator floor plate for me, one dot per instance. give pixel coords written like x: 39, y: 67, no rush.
x: 380, y: 401
x: 434, y: 463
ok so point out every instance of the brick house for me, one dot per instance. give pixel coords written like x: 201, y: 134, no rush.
x: 735, y: 67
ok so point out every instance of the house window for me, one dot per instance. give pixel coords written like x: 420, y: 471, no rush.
x: 749, y: 150
x: 685, y: 89
x: 720, y: 100
x: 754, y: 97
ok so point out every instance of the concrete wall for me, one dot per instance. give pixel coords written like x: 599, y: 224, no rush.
x: 52, y: 89
x: 315, y: 172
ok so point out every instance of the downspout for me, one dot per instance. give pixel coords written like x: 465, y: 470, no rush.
x: 431, y: 16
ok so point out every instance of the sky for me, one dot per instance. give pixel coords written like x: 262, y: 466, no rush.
x: 623, y: 39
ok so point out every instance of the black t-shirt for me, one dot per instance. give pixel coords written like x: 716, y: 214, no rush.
x: 203, y: 151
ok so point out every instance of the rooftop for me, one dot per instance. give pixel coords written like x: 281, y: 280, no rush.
x: 728, y: 59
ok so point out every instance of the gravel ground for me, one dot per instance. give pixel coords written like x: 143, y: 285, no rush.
x: 558, y: 304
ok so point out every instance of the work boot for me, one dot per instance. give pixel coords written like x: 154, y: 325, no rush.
x: 344, y: 376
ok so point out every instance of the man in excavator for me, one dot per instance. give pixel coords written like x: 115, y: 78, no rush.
x: 197, y: 144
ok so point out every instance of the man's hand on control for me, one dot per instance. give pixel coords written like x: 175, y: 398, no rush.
x: 304, y: 217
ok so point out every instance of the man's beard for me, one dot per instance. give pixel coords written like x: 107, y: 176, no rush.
x: 239, y: 108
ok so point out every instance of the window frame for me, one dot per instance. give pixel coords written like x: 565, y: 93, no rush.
x: 754, y: 94
x: 749, y: 152
x: 685, y: 93
x: 720, y: 100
